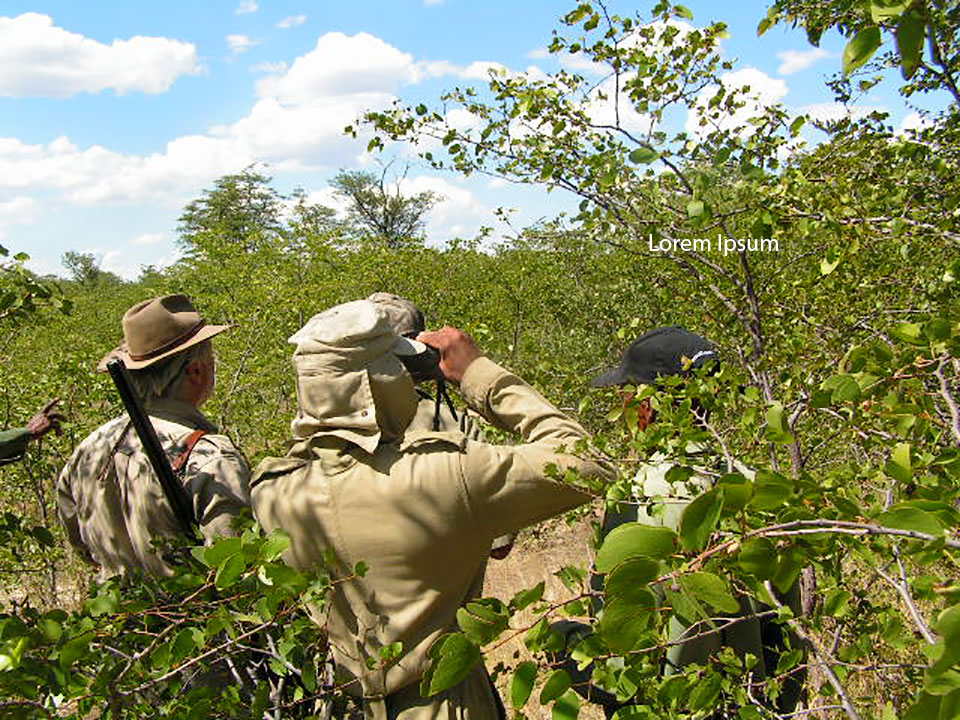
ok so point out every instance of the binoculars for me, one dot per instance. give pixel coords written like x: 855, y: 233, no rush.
x: 425, y: 366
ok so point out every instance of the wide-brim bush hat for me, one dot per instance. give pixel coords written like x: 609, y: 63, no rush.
x: 159, y: 328
x: 405, y: 317
x: 351, y: 382
x: 665, y: 351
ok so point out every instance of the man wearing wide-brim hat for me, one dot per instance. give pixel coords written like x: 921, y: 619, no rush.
x: 109, y: 499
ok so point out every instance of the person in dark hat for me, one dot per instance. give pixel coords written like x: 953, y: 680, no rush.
x: 109, y: 500
x: 660, y: 353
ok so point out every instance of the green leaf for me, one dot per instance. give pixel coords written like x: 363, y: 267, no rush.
x: 737, y: 491
x: 837, y: 603
x: 452, y: 658
x: 558, y: 682
x: 524, y: 678
x: 883, y: 11
x: 73, y: 650
x: 705, y: 693
x: 770, y: 490
x: 275, y: 544
x: 942, y: 683
x: 709, y: 588
x: 925, y: 708
x: 797, y: 125
x: 214, y: 555
x: 635, y: 540
x: 948, y: 627
x: 911, y: 33
x: 950, y: 706
x: 830, y: 262
x: 844, y: 388
x: 756, y: 558
x: 624, y: 622
x: 695, y: 208
x: 898, y: 466
x: 229, y: 571
x: 777, y: 430
x: 861, y: 48
x: 683, y: 11
x: 910, y: 333
x: 483, y: 620
x: 790, y: 563
x: 567, y: 707
x: 106, y: 602
x: 525, y: 598
x: 630, y: 578
x: 186, y: 641
x: 700, y: 519
x: 643, y: 156
x: 911, y: 518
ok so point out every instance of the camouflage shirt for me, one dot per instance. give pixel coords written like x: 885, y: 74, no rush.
x: 113, y: 507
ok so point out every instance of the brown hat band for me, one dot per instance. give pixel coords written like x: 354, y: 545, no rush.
x: 172, y: 344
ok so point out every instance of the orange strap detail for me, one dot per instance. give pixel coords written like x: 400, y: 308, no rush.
x: 181, y: 462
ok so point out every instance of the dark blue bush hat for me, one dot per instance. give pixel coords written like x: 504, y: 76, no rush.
x: 658, y: 352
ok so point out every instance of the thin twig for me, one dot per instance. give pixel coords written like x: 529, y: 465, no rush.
x: 903, y: 588
x: 949, y: 399
x: 847, y: 705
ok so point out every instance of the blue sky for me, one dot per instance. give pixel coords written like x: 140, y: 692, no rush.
x: 113, y: 115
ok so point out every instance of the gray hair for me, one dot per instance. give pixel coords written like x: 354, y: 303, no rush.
x: 164, y: 380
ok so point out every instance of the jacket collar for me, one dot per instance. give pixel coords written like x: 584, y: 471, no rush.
x: 180, y: 412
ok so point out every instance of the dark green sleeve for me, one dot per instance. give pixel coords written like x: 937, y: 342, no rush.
x: 13, y: 443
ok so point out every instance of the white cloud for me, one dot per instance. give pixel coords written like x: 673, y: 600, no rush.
x: 604, y: 107
x: 342, y: 65
x: 247, y: 6
x: 38, y: 59
x: 796, y: 60
x: 458, y: 214
x: 831, y: 112
x: 433, y: 2
x: 477, y: 70
x: 754, y: 90
x: 292, y: 21
x: 273, y: 68
x: 149, y: 239
x: 19, y: 210
x: 914, y: 121
x: 296, y: 123
x: 240, y: 43
x: 98, y: 175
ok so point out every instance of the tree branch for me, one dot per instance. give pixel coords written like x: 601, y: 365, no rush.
x: 848, y: 707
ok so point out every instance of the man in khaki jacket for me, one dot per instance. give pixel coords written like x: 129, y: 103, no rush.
x: 109, y: 500
x: 407, y: 320
x: 420, y: 508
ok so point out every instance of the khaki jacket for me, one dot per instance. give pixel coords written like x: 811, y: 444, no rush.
x: 113, y: 507
x: 421, y: 512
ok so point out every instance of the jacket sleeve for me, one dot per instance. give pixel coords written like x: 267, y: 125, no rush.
x: 219, y: 483
x: 13, y: 443
x: 507, y: 486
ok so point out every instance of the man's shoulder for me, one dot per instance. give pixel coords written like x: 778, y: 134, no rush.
x: 437, y: 440
x: 211, y: 446
x: 104, y: 438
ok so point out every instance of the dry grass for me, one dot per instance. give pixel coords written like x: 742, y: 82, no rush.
x: 538, y: 554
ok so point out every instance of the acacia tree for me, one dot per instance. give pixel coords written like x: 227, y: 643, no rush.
x: 378, y: 210
x: 867, y: 426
